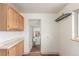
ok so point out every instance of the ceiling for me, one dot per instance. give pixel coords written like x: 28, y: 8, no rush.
x: 39, y: 7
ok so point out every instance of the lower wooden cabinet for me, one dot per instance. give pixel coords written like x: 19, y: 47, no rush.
x: 19, y: 49
x: 16, y: 50
x: 12, y: 51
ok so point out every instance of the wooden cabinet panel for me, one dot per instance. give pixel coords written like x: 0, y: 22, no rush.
x: 10, y: 19
x: 16, y: 50
x: 20, y: 51
x: 12, y: 51
x: 3, y: 17
x: 21, y: 22
x: 15, y: 21
x: 3, y: 52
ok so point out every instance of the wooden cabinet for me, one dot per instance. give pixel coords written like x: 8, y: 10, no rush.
x: 10, y: 19
x: 21, y: 23
x: 3, y: 52
x: 19, y: 48
x: 12, y: 51
x: 16, y: 50
x: 3, y: 17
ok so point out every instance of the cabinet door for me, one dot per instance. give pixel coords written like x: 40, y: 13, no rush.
x: 3, y: 52
x: 10, y: 19
x: 21, y: 23
x: 3, y: 17
x: 15, y: 21
x: 21, y: 47
x: 12, y: 51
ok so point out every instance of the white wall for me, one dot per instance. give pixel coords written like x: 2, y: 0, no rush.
x: 4, y: 36
x: 67, y: 46
x: 49, y: 42
x: 36, y: 29
x: 48, y: 32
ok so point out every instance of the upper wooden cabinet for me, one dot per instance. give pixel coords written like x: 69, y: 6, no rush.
x: 10, y: 19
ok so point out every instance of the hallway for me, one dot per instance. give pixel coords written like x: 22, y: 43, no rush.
x: 35, y: 51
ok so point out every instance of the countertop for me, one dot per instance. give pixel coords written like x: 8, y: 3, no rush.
x: 11, y: 43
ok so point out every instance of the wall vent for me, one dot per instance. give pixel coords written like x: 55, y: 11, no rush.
x: 62, y: 17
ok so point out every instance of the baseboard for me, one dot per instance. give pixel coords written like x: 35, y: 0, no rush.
x: 50, y: 54
x: 44, y: 54
x: 26, y: 53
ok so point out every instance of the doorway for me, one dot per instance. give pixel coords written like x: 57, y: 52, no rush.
x: 35, y: 38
